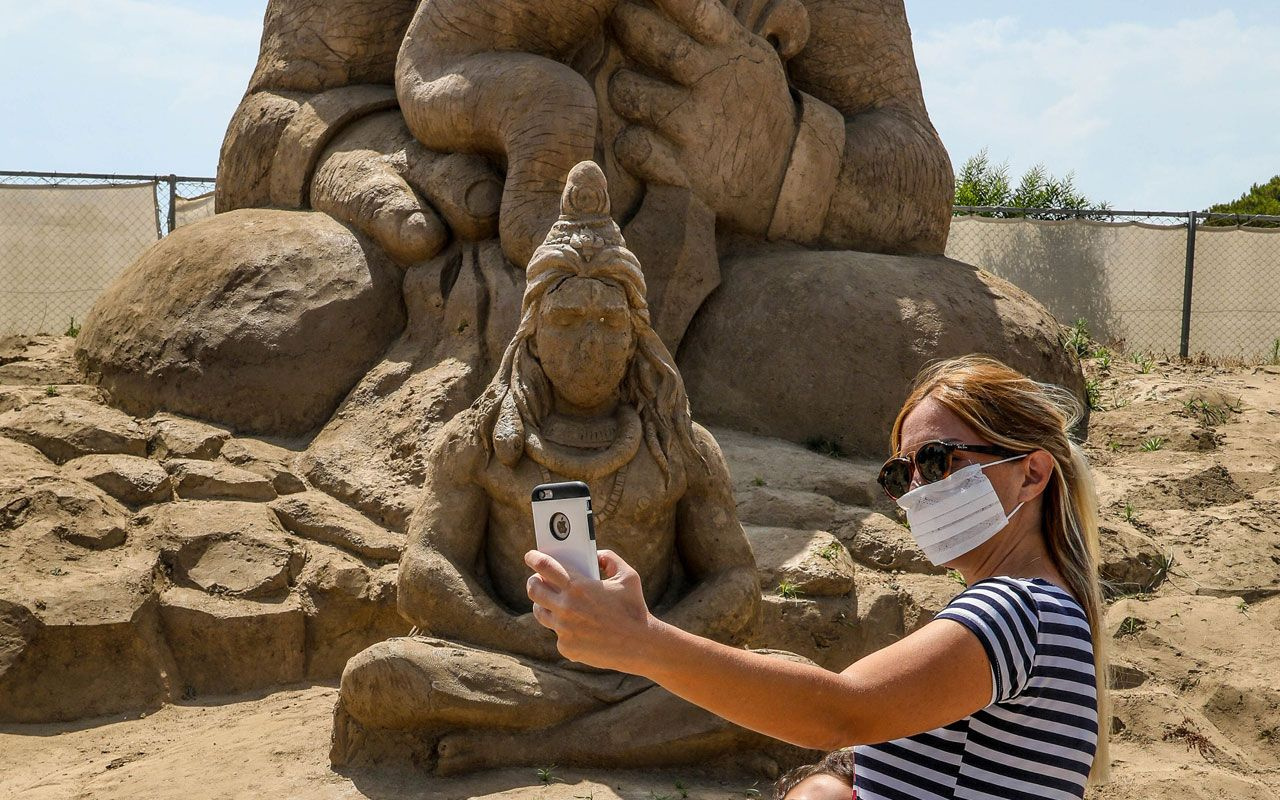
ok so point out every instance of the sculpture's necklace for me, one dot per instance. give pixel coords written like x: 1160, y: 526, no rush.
x: 588, y: 465
x: 588, y: 435
x: 551, y: 457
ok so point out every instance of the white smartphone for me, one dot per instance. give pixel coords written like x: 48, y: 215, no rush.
x: 564, y: 527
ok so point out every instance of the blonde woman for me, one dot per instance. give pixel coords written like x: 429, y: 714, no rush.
x: 999, y: 696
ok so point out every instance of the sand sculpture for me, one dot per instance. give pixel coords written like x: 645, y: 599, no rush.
x: 380, y: 190
x: 779, y: 152
x: 585, y: 391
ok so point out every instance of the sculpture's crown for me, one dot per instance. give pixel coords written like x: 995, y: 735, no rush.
x: 585, y: 224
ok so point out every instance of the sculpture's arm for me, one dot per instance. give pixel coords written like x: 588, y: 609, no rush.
x: 717, y: 558
x: 438, y: 589
x: 894, y: 183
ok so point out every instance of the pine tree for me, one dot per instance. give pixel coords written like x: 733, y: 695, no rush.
x: 982, y: 183
x: 1262, y: 198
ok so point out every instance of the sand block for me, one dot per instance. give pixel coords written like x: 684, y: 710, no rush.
x: 81, y: 640
x: 881, y: 542
x: 72, y: 510
x: 350, y: 605
x: 64, y: 428
x: 41, y: 360
x: 757, y: 461
x: 236, y: 566
x: 268, y: 460
x: 316, y: 516
x: 224, y: 645
x: 213, y: 480
x: 132, y: 480
x: 813, y: 563
x: 179, y: 437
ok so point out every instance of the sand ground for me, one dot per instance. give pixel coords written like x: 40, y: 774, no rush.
x: 1187, y: 458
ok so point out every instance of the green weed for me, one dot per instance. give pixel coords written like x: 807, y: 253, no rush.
x: 825, y: 446
x: 1130, y: 514
x: 547, y: 776
x: 1102, y: 358
x: 1145, y: 363
x: 51, y: 391
x: 1130, y: 626
x: 788, y: 589
x: 954, y: 574
x: 1209, y: 414
x: 830, y: 551
x: 757, y: 481
x: 1153, y: 444
x: 1093, y: 392
x: 1077, y: 339
x: 73, y: 330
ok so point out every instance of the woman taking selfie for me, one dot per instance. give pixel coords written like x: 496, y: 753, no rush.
x: 998, y: 696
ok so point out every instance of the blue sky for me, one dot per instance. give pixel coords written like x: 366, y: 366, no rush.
x: 1168, y: 105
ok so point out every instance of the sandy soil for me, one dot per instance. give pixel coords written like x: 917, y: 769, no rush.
x: 1187, y: 457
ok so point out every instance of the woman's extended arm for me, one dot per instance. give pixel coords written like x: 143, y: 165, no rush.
x: 933, y: 677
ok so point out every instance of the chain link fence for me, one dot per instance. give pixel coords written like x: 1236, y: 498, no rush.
x: 65, y: 236
x: 1164, y: 283
x: 1158, y: 282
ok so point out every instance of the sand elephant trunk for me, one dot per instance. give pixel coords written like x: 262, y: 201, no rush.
x: 486, y: 76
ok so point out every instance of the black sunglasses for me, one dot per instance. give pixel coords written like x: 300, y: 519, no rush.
x: 933, y: 459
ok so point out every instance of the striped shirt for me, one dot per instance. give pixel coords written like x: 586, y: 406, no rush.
x: 1036, y: 739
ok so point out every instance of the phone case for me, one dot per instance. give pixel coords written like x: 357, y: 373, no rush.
x: 564, y: 527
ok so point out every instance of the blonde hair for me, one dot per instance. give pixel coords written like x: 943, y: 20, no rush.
x: 1011, y: 410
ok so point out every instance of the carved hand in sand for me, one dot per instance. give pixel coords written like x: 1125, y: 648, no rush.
x: 720, y: 119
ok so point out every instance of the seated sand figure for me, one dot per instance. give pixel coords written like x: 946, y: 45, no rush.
x: 586, y: 391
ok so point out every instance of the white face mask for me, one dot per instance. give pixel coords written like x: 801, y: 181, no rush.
x: 952, y: 516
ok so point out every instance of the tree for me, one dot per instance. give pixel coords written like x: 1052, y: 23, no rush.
x: 982, y: 183
x: 1262, y: 198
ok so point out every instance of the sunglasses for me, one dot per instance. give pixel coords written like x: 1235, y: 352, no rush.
x: 933, y: 459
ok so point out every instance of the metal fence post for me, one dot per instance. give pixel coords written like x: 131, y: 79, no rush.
x: 173, y: 203
x: 1184, y: 348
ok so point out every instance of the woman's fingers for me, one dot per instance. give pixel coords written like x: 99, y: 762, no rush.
x: 649, y: 157
x: 659, y: 44
x: 544, y: 617
x: 548, y: 569
x: 611, y: 564
x: 650, y: 102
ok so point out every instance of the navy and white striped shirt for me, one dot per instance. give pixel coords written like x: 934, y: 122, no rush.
x: 1036, y: 739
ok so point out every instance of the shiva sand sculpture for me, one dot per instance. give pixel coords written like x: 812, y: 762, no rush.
x: 585, y: 391
x: 382, y: 187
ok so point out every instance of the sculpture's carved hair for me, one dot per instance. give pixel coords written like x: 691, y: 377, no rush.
x: 586, y: 243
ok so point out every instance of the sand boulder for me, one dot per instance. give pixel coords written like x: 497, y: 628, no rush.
x: 833, y: 340
x: 257, y: 319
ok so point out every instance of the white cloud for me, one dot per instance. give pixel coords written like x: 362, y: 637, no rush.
x: 1165, y: 114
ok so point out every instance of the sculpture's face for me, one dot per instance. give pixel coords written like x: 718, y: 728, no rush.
x: 585, y: 341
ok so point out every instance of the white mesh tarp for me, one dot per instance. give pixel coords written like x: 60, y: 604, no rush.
x: 61, y: 245
x: 1126, y: 279
x: 187, y: 210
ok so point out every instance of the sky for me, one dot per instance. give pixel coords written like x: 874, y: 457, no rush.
x: 1153, y: 106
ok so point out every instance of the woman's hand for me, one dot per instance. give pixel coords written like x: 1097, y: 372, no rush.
x: 602, y: 623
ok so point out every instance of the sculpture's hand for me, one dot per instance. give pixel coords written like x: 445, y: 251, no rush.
x: 408, y: 199
x: 722, y: 120
x: 598, y: 623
